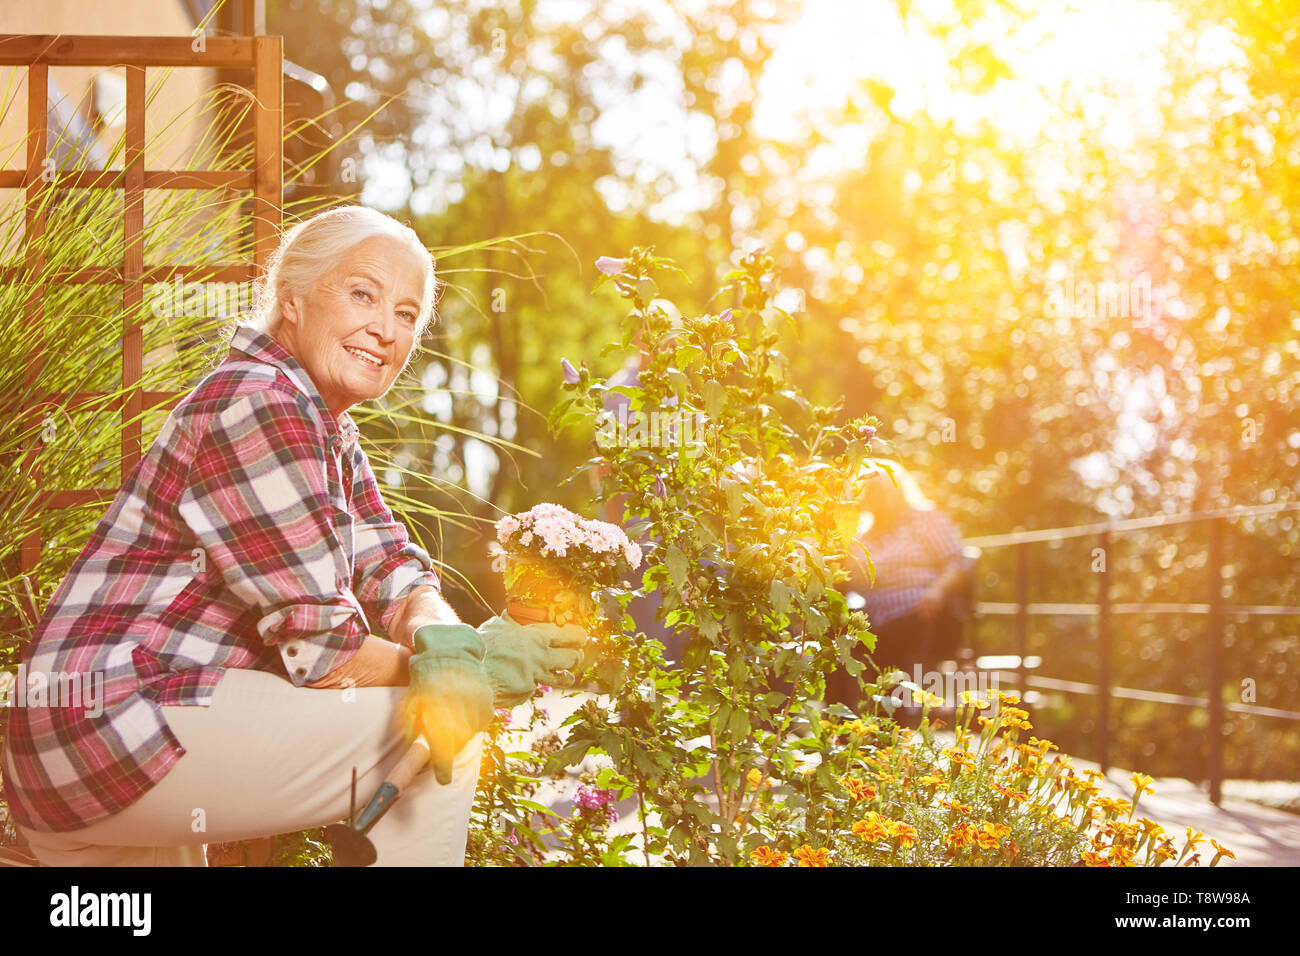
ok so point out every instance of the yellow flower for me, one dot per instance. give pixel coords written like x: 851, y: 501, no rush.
x: 807, y: 856
x: 766, y: 856
x: 1043, y: 745
x: 1017, y: 795
x: 933, y: 780
x: 990, y: 835
x: 1005, y: 699
x: 1121, y: 856
x: 1112, y: 806
x: 1165, y: 850
x: 1221, y: 851
x: 1094, y: 859
x: 1141, y: 784
x: 955, y: 806
x: 1194, y: 838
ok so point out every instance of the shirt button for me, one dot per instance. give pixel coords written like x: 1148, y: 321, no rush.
x: 300, y: 672
x: 292, y: 651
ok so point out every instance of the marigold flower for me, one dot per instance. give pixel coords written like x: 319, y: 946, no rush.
x: 766, y: 856
x: 1221, y: 851
x: 858, y: 790
x: 905, y: 834
x: 1194, y: 838
x: 1111, y: 806
x: 1094, y: 859
x: 955, y: 806
x: 807, y: 856
x: 1141, y: 784
x: 961, y: 836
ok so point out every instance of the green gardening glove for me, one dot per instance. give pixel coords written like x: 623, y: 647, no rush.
x: 449, y: 699
x: 519, y: 657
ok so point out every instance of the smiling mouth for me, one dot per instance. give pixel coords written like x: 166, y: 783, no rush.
x: 363, y: 356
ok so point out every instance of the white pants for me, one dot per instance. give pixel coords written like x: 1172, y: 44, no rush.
x: 268, y: 757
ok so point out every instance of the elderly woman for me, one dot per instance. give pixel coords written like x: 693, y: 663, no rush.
x: 225, y: 603
x: 920, y: 569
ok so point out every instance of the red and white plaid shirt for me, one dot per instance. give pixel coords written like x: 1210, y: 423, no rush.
x: 252, y: 534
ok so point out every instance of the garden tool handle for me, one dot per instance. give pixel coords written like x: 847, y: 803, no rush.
x: 412, y: 762
x: 416, y: 756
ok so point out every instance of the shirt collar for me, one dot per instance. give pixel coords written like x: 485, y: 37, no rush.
x: 260, y: 347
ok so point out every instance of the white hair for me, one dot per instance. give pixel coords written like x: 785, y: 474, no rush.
x: 315, y: 246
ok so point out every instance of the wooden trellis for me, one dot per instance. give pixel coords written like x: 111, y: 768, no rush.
x: 260, y: 54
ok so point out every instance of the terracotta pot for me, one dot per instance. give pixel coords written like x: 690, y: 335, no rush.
x: 523, y: 613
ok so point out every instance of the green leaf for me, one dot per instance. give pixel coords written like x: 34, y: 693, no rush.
x: 779, y: 595
x: 676, y: 563
x: 715, y: 396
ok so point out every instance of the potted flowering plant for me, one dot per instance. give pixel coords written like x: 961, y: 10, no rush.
x: 556, y: 563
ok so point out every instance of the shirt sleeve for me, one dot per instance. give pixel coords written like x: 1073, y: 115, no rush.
x: 389, y: 566
x: 943, y: 540
x: 258, y: 500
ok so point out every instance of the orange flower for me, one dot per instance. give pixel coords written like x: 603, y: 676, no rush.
x: 858, y: 790
x: 906, y: 834
x: 873, y: 828
x: 766, y: 856
x: 955, y: 806
x: 961, y: 836
x: 1094, y: 859
x: 807, y: 856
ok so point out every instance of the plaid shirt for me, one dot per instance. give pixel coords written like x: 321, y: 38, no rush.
x: 908, y: 559
x: 252, y: 534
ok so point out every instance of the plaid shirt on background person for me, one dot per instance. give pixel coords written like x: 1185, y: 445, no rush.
x: 908, y: 558
x: 252, y: 535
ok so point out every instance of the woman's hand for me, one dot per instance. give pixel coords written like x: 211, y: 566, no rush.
x: 519, y: 657
x: 450, y: 698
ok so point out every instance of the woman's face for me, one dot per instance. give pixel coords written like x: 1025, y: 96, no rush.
x: 354, y: 330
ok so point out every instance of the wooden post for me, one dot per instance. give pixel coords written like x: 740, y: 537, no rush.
x: 1022, y: 613
x: 39, y: 184
x: 133, y: 268
x: 1214, y: 653
x: 268, y: 145
x: 1103, y: 653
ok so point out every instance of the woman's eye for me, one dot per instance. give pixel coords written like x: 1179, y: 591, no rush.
x: 408, y: 317
x: 363, y: 294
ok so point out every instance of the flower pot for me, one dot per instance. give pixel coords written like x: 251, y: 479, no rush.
x: 522, y: 613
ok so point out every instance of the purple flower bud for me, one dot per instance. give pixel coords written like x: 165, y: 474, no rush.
x: 610, y: 266
x: 660, y: 488
x: 725, y: 316
x: 570, y: 373
x: 867, y: 432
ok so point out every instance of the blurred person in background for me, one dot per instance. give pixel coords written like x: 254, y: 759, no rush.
x: 915, y: 603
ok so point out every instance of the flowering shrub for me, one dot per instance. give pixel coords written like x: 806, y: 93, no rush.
x: 727, y: 757
x: 557, y: 561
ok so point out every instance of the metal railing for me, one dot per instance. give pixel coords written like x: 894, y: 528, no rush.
x: 1213, y: 609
